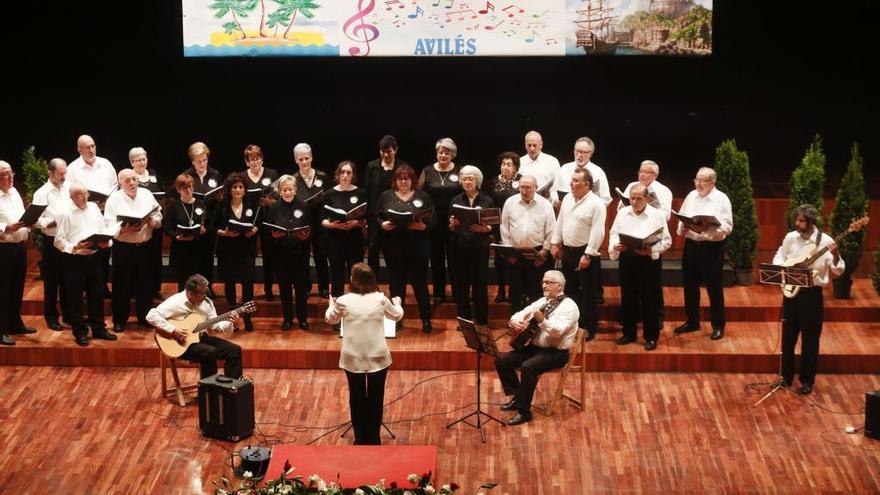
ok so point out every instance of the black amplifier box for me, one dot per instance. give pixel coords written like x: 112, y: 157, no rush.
x: 226, y: 408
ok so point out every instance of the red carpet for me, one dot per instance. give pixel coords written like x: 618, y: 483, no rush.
x: 355, y: 465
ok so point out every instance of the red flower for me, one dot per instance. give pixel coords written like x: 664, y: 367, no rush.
x: 394, y: 485
x: 454, y: 486
x: 287, y: 465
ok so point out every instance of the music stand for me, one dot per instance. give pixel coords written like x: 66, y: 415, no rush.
x: 782, y: 275
x: 480, y: 339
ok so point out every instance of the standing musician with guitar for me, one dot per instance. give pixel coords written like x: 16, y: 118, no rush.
x: 802, y: 312
x: 546, y: 329
x: 208, y: 349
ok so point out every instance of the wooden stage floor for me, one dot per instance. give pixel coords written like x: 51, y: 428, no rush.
x: 98, y: 430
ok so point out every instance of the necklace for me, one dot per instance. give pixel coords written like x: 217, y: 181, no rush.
x: 310, y: 178
x: 189, y: 214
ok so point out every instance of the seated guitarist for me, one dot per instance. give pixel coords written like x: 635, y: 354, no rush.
x: 554, y: 318
x: 208, y: 349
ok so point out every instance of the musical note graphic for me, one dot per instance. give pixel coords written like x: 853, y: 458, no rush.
x: 509, y: 32
x: 512, y: 6
x: 532, y: 38
x: 475, y: 27
x: 536, y: 25
x: 359, y: 31
x: 490, y: 28
x: 551, y: 41
x: 461, y: 14
x: 419, y: 12
x: 390, y: 3
x: 437, y: 2
x: 490, y: 7
x: 538, y: 16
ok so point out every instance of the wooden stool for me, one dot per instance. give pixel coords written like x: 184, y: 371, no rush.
x: 578, y: 349
x: 166, y: 362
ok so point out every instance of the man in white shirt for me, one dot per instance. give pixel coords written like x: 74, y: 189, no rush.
x: 55, y: 193
x: 81, y: 270
x: 802, y: 314
x: 579, y: 232
x: 132, y: 267
x: 193, y: 299
x: 13, y: 258
x: 527, y: 221
x: 540, y: 165
x: 659, y: 196
x: 554, y: 318
x: 703, y: 258
x: 640, y: 268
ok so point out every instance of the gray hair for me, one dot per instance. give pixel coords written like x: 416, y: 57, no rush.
x: 585, y: 139
x: 588, y: 176
x: 710, y: 171
x: 639, y: 188
x: 136, y: 151
x: 652, y: 165
x: 809, y: 212
x: 54, y: 164
x: 535, y: 134
x: 556, y: 276
x: 474, y: 171
x: 4, y: 165
x: 125, y: 173
x: 285, y: 178
x: 195, y: 282
x: 302, y: 148
x: 528, y: 177
x: 447, y: 143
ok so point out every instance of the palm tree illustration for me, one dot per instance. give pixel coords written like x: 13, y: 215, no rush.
x: 289, y: 9
x: 235, y: 8
x: 277, y: 19
x: 263, y: 33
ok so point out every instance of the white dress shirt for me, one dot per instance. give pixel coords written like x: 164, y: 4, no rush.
x: 11, y: 210
x: 794, y: 243
x: 177, y: 307
x: 77, y: 225
x: 581, y: 223
x: 363, y: 340
x: 527, y: 224
x: 649, y: 221
x: 99, y: 177
x: 120, y: 203
x: 58, y: 204
x: 559, y: 329
x: 543, y: 169
x: 715, y: 204
x: 600, y: 181
x: 664, y: 196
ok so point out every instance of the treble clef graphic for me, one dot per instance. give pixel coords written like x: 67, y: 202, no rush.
x: 357, y: 30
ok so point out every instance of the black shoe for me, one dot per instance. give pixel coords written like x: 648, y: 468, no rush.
x: 287, y: 325
x: 303, y: 324
x: 269, y: 297
x: 426, y: 326
x: 500, y: 298
x: 519, y: 418
x: 438, y: 299
x: 119, y: 327
x: 508, y: 406
x: 337, y: 327
x: 144, y: 324
x: 625, y: 340
x: 590, y: 336
x: 717, y: 333
x: 23, y: 330
x: 687, y: 327
x: 782, y: 382
x: 399, y: 324
x: 54, y: 325
x: 599, y: 300
x: 248, y: 326
x: 107, y: 293
x: 806, y: 388
x: 103, y: 335
x: 6, y: 340
x: 650, y: 345
x: 82, y: 341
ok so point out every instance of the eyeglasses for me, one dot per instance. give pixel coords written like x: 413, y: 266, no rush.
x: 548, y: 282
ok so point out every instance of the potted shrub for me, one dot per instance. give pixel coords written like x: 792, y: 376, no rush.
x: 734, y: 179
x: 852, y: 203
x: 36, y: 172
x: 808, y: 182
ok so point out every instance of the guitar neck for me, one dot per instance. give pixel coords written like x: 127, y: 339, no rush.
x: 205, y: 325
x: 818, y: 254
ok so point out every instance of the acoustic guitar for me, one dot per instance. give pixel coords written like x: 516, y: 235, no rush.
x: 809, y: 254
x: 520, y: 340
x: 195, y: 325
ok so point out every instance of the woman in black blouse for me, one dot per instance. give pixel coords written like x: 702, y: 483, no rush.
x: 501, y: 187
x: 292, y: 255
x: 376, y: 180
x: 309, y: 182
x: 237, y: 243
x: 344, y: 239
x: 260, y: 187
x: 184, y: 222
x: 407, y: 248
x: 469, y: 249
x: 441, y: 182
x: 205, y: 179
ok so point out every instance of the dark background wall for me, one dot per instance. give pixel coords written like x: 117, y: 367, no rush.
x: 781, y: 72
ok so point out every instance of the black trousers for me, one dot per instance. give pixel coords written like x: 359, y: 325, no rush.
x: 208, y: 350
x: 501, y: 271
x: 471, y: 266
x: 247, y: 294
x: 374, y: 245
x: 525, y: 280
x: 703, y: 262
x: 319, y: 254
x: 639, y: 282
x: 412, y: 270
x: 366, y: 395
x: 532, y: 361
x: 156, y: 261
x: 13, y: 265
x: 293, y: 275
x: 133, y: 271
x: 439, y: 251
x: 82, y: 274
x: 580, y: 286
x: 344, y: 251
x: 802, y: 315
x: 596, y: 271
x: 53, y: 294
x: 204, y: 257
x: 267, y: 250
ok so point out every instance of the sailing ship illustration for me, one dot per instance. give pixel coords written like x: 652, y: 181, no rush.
x: 595, y: 33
